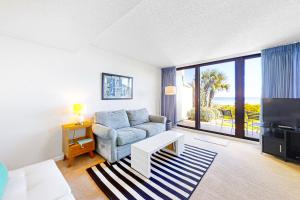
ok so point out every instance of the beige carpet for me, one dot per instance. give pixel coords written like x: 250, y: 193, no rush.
x: 240, y: 171
x: 212, y: 140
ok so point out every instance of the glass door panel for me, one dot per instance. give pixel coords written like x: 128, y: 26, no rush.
x: 217, y: 97
x: 185, y: 94
x: 252, y: 97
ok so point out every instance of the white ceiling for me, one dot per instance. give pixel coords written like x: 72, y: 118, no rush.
x: 158, y: 32
x: 66, y: 24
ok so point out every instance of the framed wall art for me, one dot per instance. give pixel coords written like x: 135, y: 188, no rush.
x: 116, y: 87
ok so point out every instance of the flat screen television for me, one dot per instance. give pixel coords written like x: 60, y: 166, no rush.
x: 281, y: 112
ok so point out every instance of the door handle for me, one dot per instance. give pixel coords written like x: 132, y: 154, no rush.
x: 280, y: 148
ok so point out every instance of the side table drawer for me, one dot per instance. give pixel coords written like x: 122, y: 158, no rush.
x: 76, y: 149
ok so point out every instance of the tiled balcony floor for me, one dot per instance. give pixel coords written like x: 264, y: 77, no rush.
x: 216, y: 126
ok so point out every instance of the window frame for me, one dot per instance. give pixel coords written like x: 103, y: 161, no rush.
x: 239, y: 63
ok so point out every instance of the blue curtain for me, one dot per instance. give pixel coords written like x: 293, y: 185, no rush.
x: 280, y: 72
x: 168, y: 103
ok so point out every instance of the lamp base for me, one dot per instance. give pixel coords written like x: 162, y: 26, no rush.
x: 80, y: 120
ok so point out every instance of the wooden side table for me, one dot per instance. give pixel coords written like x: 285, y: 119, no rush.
x: 71, y: 148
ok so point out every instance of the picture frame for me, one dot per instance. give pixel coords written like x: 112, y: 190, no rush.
x: 116, y: 87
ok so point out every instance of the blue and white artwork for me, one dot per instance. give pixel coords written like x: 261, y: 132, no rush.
x: 116, y: 87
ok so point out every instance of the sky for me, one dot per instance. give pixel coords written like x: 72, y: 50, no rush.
x: 252, y: 77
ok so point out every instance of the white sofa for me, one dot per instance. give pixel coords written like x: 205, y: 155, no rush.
x: 38, y: 181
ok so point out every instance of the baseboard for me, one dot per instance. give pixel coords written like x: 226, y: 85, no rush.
x: 57, y: 158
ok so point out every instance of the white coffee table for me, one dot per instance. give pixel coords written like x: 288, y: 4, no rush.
x: 141, y: 151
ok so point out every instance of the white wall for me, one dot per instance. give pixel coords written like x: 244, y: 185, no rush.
x: 38, y: 86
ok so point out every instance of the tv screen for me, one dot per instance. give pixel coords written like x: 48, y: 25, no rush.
x: 281, y: 112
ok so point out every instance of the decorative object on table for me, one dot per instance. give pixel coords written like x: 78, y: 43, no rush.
x: 84, y: 141
x: 116, y: 87
x: 168, y: 125
x: 80, y: 145
x: 168, y: 93
x: 195, y: 161
x: 78, y: 109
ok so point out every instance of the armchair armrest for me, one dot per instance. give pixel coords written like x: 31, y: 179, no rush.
x: 106, y: 142
x: 104, y: 132
x: 158, y: 119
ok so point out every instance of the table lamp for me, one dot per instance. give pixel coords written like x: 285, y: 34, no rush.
x: 78, y: 109
x: 170, y: 90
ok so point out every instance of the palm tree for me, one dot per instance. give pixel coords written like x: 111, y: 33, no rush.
x: 211, y: 82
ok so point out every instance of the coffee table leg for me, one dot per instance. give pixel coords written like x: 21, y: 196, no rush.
x: 179, y: 145
x: 141, y: 162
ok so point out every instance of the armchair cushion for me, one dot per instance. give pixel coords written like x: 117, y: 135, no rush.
x: 129, y: 135
x: 113, y: 119
x: 152, y: 128
x: 137, y: 117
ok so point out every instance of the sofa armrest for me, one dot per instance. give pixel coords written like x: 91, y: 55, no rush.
x: 158, y: 119
x: 104, y: 131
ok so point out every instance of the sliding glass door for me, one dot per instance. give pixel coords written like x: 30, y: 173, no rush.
x: 221, y: 97
x: 185, y: 82
x: 217, y: 97
x: 252, y: 97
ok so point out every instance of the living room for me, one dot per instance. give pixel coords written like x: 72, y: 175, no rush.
x: 145, y: 99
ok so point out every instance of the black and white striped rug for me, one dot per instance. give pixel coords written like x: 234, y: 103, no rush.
x: 172, y: 177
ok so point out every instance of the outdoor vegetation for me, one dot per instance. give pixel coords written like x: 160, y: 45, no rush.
x: 209, y: 114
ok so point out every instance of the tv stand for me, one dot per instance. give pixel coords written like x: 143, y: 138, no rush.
x: 282, y: 142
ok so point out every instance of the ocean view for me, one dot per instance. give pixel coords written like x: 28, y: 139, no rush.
x: 231, y: 100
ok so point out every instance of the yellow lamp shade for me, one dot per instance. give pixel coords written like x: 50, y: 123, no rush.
x: 170, y: 90
x: 78, y: 108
